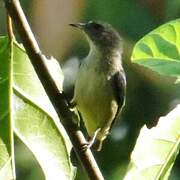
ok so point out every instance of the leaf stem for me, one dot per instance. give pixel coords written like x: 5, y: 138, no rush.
x: 9, y: 27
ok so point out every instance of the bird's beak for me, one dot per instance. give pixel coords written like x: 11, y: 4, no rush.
x: 78, y: 25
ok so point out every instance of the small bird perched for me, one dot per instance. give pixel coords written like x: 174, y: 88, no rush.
x: 100, y: 87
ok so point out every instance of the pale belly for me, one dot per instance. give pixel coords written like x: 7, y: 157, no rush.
x: 96, y: 102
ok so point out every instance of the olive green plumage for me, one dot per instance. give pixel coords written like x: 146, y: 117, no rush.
x: 99, y: 92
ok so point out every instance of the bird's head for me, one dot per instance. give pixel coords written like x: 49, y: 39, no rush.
x: 102, y: 35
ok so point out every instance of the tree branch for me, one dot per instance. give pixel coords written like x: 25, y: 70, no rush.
x: 57, y: 98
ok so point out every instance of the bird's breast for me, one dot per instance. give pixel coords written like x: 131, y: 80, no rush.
x: 94, y: 97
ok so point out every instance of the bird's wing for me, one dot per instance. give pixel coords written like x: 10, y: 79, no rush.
x: 119, y: 87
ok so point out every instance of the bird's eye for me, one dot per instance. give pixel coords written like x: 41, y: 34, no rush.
x: 97, y: 27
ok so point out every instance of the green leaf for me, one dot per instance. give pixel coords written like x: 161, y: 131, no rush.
x: 27, y: 81
x: 6, y: 131
x: 160, y: 50
x: 56, y: 72
x: 156, y: 149
x: 36, y: 122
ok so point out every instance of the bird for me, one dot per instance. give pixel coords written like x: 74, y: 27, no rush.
x: 100, y: 86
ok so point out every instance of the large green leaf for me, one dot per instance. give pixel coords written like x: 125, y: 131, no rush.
x: 26, y: 79
x: 156, y: 149
x: 35, y: 120
x: 160, y: 50
x: 6, y: 130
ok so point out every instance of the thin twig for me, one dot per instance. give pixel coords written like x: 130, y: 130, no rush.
x: 57, y: 98
x: 9, y: 27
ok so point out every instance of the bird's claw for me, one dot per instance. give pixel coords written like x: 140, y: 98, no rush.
x: 85, y: 146
x: 90, y: 143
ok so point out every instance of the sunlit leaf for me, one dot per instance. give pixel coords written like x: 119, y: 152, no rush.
x: 36, y: 122
x: 6, y: 131
x: 160, y: 50
x: 156, y: 149
x: 55, y: 71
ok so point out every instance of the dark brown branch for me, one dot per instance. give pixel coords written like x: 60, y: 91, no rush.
x: 57, y: 98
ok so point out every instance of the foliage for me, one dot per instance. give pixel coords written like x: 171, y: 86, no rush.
x: 156, y: 149
x: 30, y: 100
x: 160, y: 50
x: 6, y: 125
x: 29, y: 113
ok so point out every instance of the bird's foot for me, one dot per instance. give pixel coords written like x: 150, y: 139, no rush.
x: 90, y: 143
x: 72, y: 104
